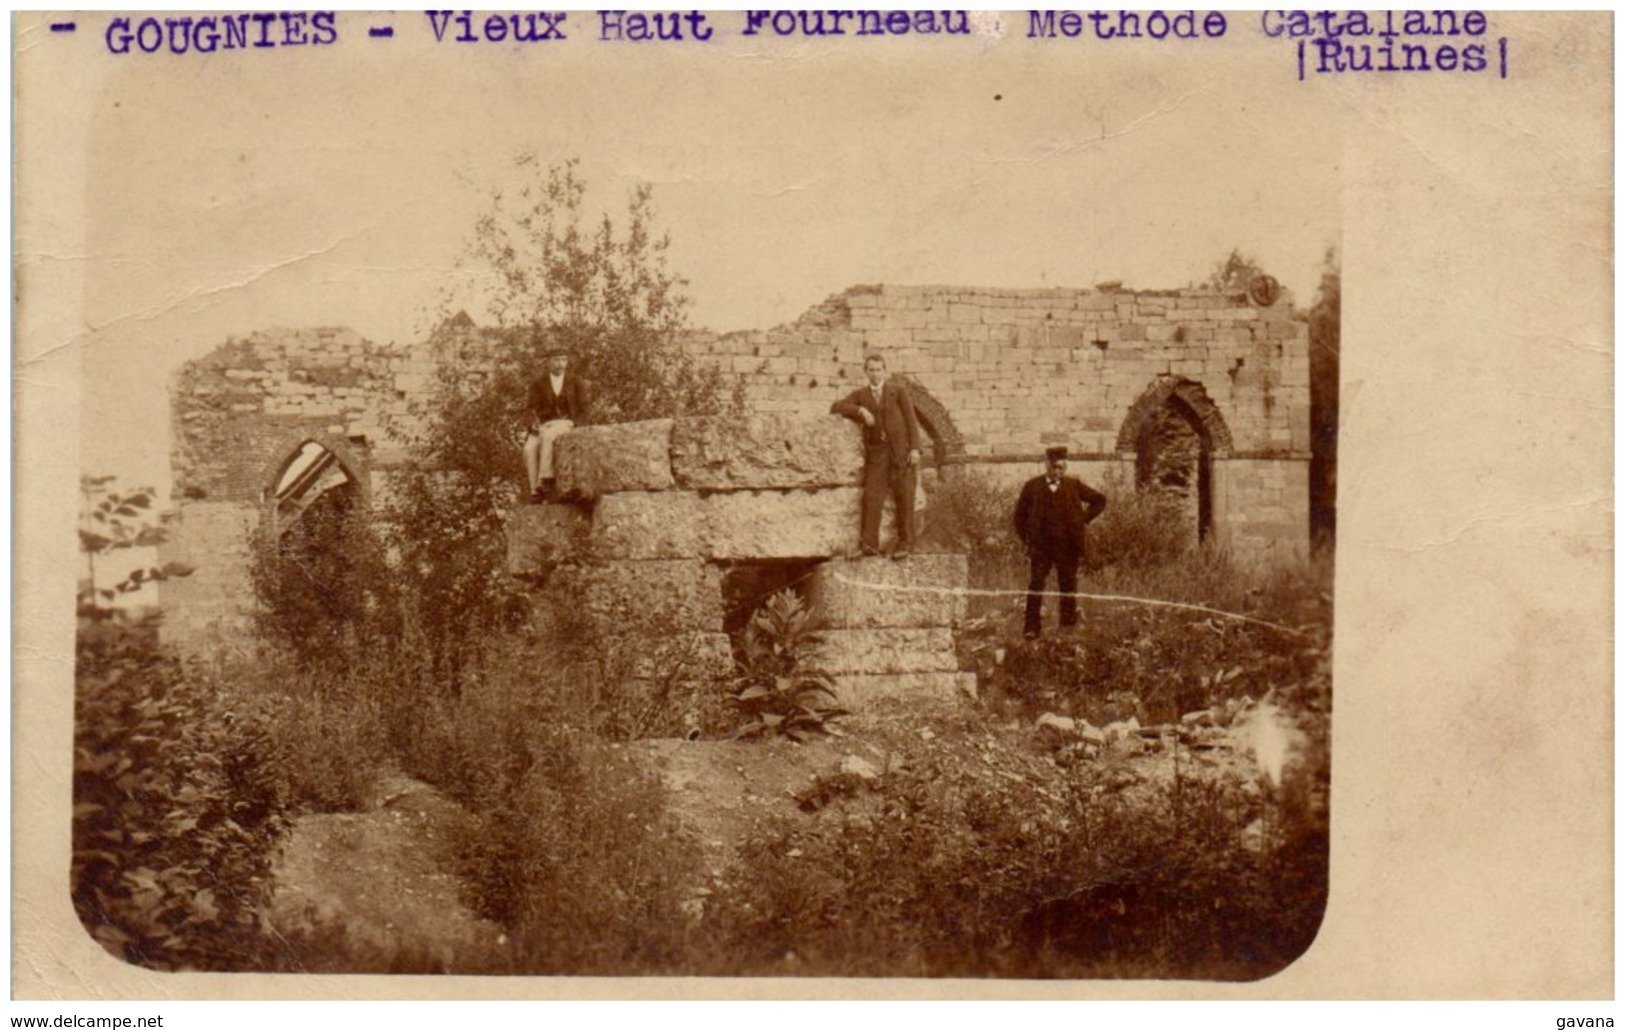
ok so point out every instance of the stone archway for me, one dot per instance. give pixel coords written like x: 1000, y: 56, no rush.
x: 947, y: 445
x: 1180, y: 392
x: 309, y: 466
x: 313, y: 568
x: 1172, y: 433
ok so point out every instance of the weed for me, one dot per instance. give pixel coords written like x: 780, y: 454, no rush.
x: 775, y: 693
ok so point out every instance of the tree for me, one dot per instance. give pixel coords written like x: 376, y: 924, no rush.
x: 550, y: 278
x: 1234, y: 273
x: 110, y: 522
x: 1325, y: 343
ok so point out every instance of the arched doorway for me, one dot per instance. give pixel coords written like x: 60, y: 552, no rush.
x: 310, y: 574
x: 1172, y: 434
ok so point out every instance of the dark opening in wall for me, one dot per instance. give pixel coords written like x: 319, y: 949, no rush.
x: 746, y: 585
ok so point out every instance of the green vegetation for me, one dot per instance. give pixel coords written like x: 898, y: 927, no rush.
x: 777, y: 692
x: 178, y: 805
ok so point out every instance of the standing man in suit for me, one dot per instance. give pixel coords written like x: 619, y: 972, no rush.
x: 558, y: 400
x: 891, y: 453
x: 1051, y: 515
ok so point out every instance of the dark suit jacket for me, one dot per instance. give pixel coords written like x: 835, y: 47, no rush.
x: 1078, y: 505
x: 896, y: 428
x: 570, y: 403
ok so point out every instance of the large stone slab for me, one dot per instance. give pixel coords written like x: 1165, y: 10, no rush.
x: 756, y: 452
x: 639, y: 598
x: 540, y: 536
x: 781, y: 524
x: 844, y: 652
x: 925, y: 590
x: 735, y: 526
x: 595, y: 460
x: 649, y: 526
x: 858, y: 692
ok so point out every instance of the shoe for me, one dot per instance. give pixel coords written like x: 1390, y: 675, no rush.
x: 538, y: 496
x: 1031, y: 634
x: 868, y: 552
x: 900, y: 554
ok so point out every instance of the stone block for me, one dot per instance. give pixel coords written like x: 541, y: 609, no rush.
x: 680, y: 657
x: 925, y: 590
x: 647, y: 526
x: 773, y: 524
x: 765, y: 452
x: 857, y: 692
x: 844, y: 652
x: 646, y: 598
x: 595, y: 460
x: 540, y: 536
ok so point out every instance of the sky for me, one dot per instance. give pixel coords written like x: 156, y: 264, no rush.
x: 336, y: 186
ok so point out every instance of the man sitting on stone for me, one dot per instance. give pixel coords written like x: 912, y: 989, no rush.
x: 1050, y: 518
x: 891, y: 453
x: 558, y: 401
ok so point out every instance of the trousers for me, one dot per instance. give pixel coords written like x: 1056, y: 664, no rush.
x: 883, y: 478
x: 1065, y: 564
x: 539, y: 449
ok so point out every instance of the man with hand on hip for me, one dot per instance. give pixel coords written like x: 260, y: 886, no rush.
x: 1050, y: 518
x: 891, y: 453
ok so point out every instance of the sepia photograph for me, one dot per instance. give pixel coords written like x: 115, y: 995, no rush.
x: 785, y: 497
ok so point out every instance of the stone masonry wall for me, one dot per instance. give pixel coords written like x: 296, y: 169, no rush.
x: 1020, y: 369
x: 997, y: 376
x: 657, y: 511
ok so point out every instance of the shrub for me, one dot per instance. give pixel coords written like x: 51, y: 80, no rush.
x: 323, y: 590
x: 549, y: 274
x: 578, y: 858
x: 1158, y: 662
x: 332, y: 734
x: 179, y: 805
x: 1140, y: 529
x: 777, y: 693
x: 958, y: 873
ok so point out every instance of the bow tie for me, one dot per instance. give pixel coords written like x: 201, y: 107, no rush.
x: 1053, y: 483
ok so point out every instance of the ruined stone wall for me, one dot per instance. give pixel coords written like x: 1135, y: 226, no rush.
x: 238, y: 416
x: 1020, y: 369
x: 999, y: 375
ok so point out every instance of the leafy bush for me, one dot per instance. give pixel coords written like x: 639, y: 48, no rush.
x: 776, y: 693
x: 179, y: 805
x: 1154, y: 659
x: 955, y: 872
x: 332, y: 734
x: 578, y: 858
x: 1140, y: 529
x: 324, y: 592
